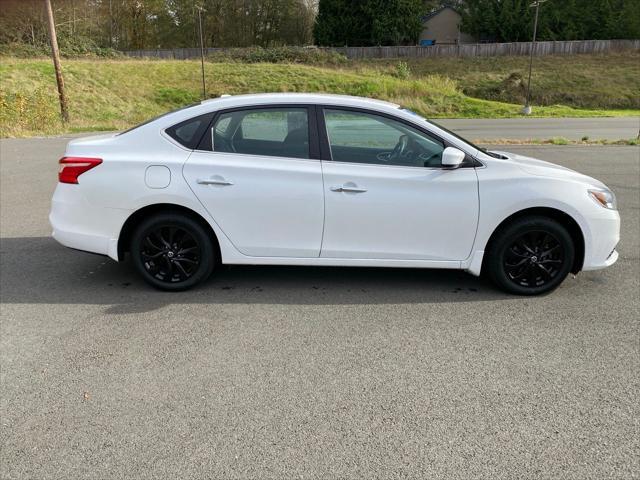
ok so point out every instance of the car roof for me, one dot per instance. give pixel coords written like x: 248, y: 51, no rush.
x: 313, y: 98
x: 261, y: 99
x: 233, y: 101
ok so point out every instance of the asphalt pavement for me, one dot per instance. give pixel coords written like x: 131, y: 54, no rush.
x: 614, y: 128
x: 274, y: 372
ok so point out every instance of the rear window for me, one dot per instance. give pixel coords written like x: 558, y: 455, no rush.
x: 189, y: 132
x: 146, y: 122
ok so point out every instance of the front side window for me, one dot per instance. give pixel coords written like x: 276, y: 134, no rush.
x: 278, y: 132
x: 359, y: 137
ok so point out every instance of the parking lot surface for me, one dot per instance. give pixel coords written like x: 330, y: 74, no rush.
x: 277, y: 372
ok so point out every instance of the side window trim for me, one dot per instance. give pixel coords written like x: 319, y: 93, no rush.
x: 206, y: 143
x: 325, y: 147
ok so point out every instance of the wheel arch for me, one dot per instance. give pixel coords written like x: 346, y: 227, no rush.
x: 124, y: 239
x: 577, y: 235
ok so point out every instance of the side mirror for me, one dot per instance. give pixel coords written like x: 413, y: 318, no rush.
x: 452, y: 157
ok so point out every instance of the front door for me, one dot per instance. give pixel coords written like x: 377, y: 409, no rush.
x: 386, y: 195
x: 259, y: 183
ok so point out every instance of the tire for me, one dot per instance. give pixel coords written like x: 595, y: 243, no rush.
x: 172, y: 252
x: 530, y: 256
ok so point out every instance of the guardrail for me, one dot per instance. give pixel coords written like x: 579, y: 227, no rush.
x: 572, y: 47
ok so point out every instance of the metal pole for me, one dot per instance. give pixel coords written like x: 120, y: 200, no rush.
x: 110, y: 24
x: 204, y: 86
x: 527, y: 107
x: 55, y: 54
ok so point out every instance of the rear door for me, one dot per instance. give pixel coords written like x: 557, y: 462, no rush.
x: 257, y: 172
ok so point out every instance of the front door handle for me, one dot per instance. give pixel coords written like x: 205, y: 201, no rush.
x: 348, y: 188
x: 217, y: 180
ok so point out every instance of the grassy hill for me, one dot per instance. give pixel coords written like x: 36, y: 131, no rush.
x: 115, y: 94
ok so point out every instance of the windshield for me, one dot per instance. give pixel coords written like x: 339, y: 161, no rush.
x: 453, y: 134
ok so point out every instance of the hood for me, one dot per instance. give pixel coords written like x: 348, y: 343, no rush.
x: 533, y: 166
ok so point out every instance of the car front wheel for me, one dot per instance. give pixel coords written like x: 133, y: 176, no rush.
x: 530, y: 256
x: 172, y: 251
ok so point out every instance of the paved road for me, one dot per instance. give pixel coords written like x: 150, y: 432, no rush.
x: 545, y: 128
x: 311, y: 372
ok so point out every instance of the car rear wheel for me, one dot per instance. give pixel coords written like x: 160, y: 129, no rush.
x: 530, y: 256
x: 172, y: 252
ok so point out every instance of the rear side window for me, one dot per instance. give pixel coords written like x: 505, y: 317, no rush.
x: 275, y: 132
x: 189, y: 132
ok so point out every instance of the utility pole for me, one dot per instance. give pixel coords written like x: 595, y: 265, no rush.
x: 204, y: 86
x: 527, y: 107
x: 56, y: 62
x: 110, y: 24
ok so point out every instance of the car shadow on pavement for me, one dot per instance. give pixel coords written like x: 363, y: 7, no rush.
x: 39, y: 270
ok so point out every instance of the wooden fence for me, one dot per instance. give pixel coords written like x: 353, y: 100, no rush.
x: 493, y: 49
x: 463, y: 50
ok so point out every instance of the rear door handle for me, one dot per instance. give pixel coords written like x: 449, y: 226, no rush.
x: 347, y: 188
x: 216, y: 180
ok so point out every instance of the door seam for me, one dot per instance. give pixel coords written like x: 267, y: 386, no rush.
x: 324, y: 208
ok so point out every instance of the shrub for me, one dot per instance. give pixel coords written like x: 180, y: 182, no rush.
x: 35, y: 111
x: 512, y: 89
x: 306, y: 55
x: 23, y: 50
x: 69, y: 48
x: 79, y: 46
x: 402, y: 70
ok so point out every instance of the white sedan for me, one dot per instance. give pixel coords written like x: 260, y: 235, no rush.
x: 309, y: 179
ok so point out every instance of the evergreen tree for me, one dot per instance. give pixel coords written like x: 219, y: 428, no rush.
x: 511, y: 20
x: 368, y: 22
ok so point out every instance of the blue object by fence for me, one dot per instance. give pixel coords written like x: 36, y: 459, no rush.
x: 427, y: 43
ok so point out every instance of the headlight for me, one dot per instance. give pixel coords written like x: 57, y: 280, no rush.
x: 604, y: 198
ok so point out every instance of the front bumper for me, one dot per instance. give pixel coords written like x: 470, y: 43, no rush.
x: 603, y: 238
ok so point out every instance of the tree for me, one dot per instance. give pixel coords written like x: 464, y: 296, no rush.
x: 510, y: 20
x: 395, y: 22
x: 147, y: 24
x: 368, y: 22
x: 627, y: 20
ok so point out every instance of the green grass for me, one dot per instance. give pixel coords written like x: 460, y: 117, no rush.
x: 115, y: 94
x: 602, y: 81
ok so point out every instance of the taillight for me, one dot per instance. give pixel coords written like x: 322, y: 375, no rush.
x: 72, y: 167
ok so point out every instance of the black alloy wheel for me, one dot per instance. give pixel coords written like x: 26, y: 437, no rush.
x: 533, y: 259
x: 172, y: 252
x: 530, y: 256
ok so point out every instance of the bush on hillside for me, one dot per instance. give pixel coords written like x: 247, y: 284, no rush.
x: 305, y: 55
x: 32, y: 111
x: 79, y: 46
x: 69, y: 48
x: 23, y: 50
x: 403, y: 71
x: 512, y: 88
